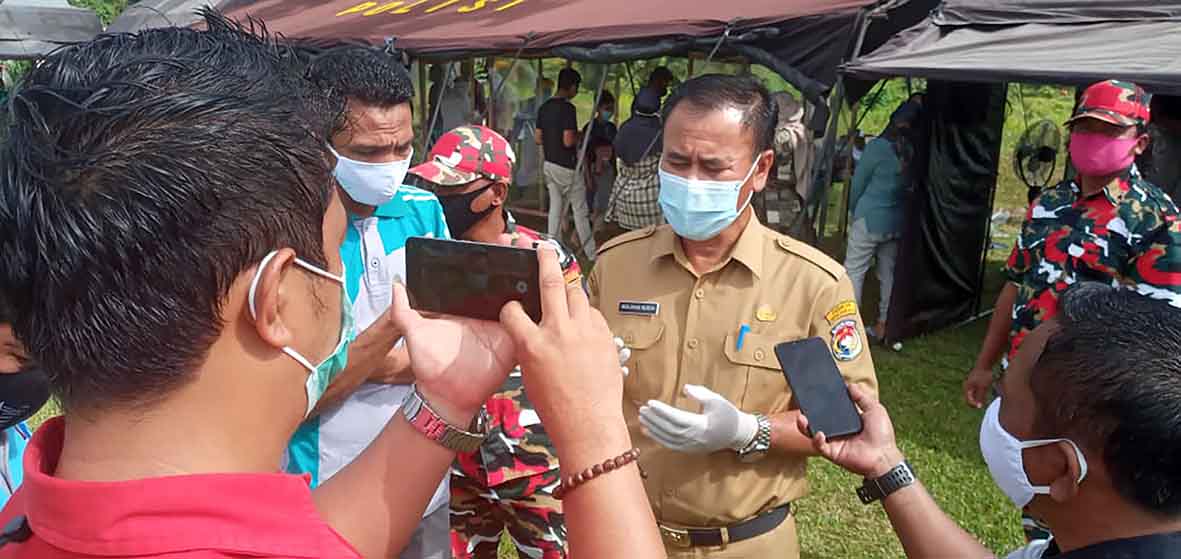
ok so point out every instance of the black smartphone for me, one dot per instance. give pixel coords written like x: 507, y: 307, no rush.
x: 819, y: 387
x: 475, y: 280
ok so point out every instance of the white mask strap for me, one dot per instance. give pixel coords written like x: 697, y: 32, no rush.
x: 1078, y: 453
x: 299, y: 262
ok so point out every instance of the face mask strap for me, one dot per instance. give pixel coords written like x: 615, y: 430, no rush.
x: 254, y: 282
x: 366, y: 163
x: 1078, y: 453
x: 318, y: 271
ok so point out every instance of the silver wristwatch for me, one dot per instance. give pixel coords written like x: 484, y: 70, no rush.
x: 420, y: 416
x: 758, y: 447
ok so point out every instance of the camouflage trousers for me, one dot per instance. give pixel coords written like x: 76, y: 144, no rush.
x: 525, y: 507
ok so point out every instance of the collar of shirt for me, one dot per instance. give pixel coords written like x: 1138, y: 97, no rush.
x: 748, y: 250
x: 1116, y: 189
x: 265, y: 515
x: 1152, y: 545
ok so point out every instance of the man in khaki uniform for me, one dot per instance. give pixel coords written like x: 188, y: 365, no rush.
x: 702, y: 302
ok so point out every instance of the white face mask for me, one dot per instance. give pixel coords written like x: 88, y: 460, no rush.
x: 1002, y: 453
x: 372, y: 184
x: 321, y: 375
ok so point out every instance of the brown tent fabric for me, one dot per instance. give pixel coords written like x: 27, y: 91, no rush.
x: 30, y: 29
x: 443, y: 26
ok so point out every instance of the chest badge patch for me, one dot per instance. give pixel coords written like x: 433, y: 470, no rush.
x: 765, y: 314
x: 639, y: 308
x: 841, y: 310
x: 846, y: 341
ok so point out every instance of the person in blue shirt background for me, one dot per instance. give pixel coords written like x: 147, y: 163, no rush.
x: 24, y: 388
x: 877, y: 202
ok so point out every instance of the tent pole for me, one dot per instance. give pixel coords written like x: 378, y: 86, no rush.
x: 424, y: 95
x: 618, y: 97
x: 848, y: 191
x: 541, y: 192
x: 586, y: 141
x: 439, y: 100
x: 823, y: 175
x: 490, y: 64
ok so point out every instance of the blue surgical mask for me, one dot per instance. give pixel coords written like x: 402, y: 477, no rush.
x: 699, y: 209
x: 607, y: 115
x: 320, y: 376
x: 372, y: 184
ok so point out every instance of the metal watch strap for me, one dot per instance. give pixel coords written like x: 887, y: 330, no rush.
x: 898, y: 477
x: 420, y: 416
x: 759, y: 445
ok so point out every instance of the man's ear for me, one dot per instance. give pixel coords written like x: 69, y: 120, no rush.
x: 1142, y: 144
x: 270, y: 298
x: 1066, y: 484
x: 499, y: 193
x: 762, y: 173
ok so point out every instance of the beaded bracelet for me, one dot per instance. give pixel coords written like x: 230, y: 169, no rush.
x: 575, y: 481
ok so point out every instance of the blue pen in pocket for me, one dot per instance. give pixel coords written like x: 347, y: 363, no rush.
x: 742, y: 330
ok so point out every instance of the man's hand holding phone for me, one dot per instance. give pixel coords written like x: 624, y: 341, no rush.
x: 870, y: 453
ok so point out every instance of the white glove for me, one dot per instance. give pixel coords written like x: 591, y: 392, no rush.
x: 721, y: 425
x: 625, y: 354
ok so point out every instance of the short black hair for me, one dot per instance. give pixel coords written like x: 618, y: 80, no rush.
x: 569, y: 77
x: 365, y: 74
x: 1109, y: 379
x: 145, y: 174
x: 606, y: 99
x: 661, y: 73
x: 717, y: 91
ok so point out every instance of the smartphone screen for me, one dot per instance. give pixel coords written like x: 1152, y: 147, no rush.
x: 475, y: 280
x: 819, y: 387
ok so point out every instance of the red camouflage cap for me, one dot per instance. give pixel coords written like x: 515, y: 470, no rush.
x: 1115, y: 102
x: 466, y: 154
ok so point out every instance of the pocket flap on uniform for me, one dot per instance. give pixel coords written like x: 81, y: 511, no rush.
x: 641, y: 333
x: 758, y: 350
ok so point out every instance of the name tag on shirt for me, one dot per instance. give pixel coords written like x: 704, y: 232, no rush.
x: 639, y: 308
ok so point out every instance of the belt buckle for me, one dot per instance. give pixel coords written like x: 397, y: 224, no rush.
x: 675, y: 536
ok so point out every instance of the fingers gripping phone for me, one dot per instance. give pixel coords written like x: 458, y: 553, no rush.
x: 819, y: 387
x: 475, y: 280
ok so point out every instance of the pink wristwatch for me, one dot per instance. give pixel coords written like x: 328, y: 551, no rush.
x: 420, y: 416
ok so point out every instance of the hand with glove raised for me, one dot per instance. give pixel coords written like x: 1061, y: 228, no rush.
x: 721, y: 425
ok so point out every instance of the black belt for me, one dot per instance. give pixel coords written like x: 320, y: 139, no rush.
x: 715, y: 537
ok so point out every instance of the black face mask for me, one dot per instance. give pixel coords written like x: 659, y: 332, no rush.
x: 458, y: 211
x: 21, y: 394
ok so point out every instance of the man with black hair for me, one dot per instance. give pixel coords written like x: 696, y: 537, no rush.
x: 171, y: 232
x: 24, y: 389
x: 373, y: 143
x: 660, y: 80
x: 702, y: 302
x: 1159, y: 162
x: 1084, y: 437
x: 557, y: 134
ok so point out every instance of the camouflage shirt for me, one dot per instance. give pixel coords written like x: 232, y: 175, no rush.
x: 1127, y: 235
x: 517, y: 445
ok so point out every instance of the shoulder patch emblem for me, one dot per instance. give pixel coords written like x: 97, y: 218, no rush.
x: 841, y: 310
x: 846, y: 341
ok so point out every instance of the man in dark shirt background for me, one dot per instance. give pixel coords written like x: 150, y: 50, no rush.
x: 557, y: 133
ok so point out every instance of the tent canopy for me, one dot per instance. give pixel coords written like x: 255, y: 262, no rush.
x: 803, y: 40
x: 30, y: 29
x: 1040, y: 41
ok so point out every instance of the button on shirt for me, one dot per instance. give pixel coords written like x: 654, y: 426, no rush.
x: 683, y: 328
x: 178, y: 517
x: 374, y: 254
x: 1127, y: 235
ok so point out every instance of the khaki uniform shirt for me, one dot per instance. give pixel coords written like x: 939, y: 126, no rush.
x: 683, y: 328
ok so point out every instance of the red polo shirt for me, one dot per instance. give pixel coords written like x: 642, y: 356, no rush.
x: 196, y: 516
